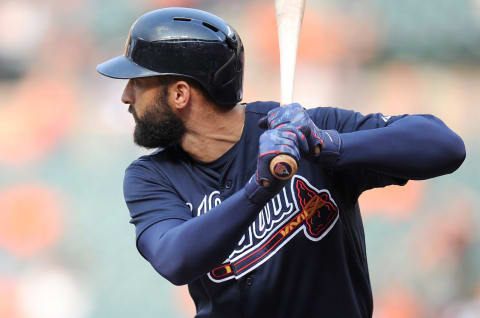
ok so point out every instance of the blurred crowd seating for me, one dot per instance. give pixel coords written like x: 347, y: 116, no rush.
x: 66, y: 248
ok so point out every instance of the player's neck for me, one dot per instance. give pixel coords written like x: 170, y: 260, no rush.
x: 210, y: 134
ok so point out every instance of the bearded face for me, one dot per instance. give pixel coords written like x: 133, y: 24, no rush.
x: 159, y: 125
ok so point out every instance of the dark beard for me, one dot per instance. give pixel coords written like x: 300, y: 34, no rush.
x: 159, y: 127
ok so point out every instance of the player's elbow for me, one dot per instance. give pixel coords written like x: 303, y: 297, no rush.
x: 443, y: 148
x: 451, y: 149
x: 176, y: 280
x: 172, y: 269
x: 457, y: 152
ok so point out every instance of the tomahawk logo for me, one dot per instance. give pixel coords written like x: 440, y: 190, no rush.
x: 300, y: 208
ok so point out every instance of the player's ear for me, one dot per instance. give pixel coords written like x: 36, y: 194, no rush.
x: 180, y: 94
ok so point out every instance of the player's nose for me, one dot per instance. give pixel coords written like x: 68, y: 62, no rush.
x: 127, y: 96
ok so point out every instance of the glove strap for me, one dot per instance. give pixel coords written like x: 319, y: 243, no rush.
x: 330, y: 148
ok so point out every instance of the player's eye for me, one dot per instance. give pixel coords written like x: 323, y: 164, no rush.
x: 138, y: 82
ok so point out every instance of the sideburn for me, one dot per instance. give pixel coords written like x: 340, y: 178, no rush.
x: 160, y: 126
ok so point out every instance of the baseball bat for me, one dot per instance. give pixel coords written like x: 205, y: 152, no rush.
x: 289, y: 21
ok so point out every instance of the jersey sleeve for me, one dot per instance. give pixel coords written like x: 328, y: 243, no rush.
x: 169, y: 237
x: 150, y: 197
x: 345, y: 121
x: 378, y: 150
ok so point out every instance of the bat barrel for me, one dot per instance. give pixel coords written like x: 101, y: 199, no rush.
x: 289, y: 20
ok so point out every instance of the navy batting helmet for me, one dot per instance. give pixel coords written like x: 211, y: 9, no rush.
x: 183, y: 42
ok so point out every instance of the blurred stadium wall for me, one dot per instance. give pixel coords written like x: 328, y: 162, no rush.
x: 66, y: 247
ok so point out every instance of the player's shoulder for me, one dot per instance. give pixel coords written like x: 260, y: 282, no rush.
x: 326, y: 110
x: 154, y: 161
x: 261, y: 107
x: 328, y: 116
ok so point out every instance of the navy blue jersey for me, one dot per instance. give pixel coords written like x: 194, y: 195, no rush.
x: 300, y: 255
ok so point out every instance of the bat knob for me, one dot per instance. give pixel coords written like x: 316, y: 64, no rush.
x: 283, y: 167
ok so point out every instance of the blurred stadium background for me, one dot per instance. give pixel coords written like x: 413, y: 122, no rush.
x: 66, y: 247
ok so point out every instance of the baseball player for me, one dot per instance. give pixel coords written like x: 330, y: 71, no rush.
x: 206, y: 208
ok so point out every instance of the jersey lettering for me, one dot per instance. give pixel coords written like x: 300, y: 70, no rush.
x: 209, y: 202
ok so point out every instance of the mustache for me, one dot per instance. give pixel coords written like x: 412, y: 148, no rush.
x: 131, y: 110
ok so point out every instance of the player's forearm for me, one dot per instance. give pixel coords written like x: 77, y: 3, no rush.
x: 191, y: 249
x: 414, y: 147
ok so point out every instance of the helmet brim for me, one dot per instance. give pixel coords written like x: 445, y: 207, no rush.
x: 122, y: 67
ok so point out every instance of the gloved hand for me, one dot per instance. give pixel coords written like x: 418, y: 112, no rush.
x: 284, y: 140
x: 322, y: 144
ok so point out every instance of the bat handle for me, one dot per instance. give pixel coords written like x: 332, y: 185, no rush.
x: 283, y: 167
